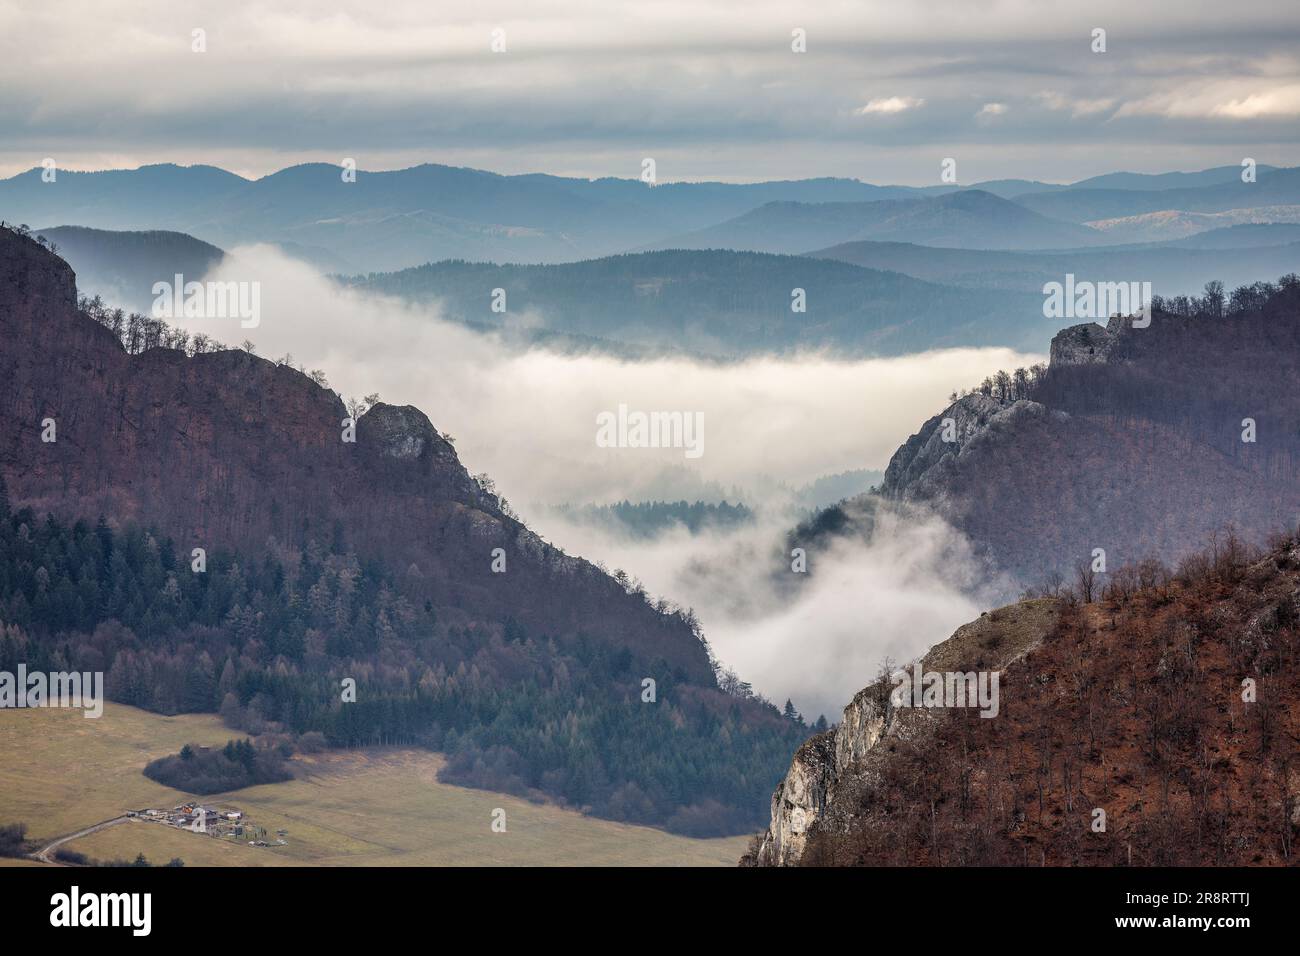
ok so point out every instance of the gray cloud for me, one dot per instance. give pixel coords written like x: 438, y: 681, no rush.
x: 710, y: 92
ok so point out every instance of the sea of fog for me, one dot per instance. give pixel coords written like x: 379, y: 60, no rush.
x: 528, y: 418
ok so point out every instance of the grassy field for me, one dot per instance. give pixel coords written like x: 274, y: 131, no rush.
x: 60, y: 772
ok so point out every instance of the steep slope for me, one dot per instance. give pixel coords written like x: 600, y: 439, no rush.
x: 225, y: 448
x: 1138, y: 441
x: 1154, y: 727
x: 813, y: 790
x: 327, y: 559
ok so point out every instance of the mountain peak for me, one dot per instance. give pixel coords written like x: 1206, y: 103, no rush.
x: 1082, y: 345
x: 402, y: 431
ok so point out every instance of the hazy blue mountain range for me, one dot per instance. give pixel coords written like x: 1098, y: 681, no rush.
x: 1247, y: 236
x: 404, y: 217
x: 725, y: 303
x: 1079, y: 205
x: 391, y: 220
x: 1173, y: 268
x: 969, y: 219
x: 123, y: 266
x: 1158, y: 181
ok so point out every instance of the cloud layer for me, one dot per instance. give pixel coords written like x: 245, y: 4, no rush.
x: 591, y: 89
x: 528, y: 418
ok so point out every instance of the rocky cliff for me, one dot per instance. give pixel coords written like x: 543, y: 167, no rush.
x: 1086, y: 344
x: 228, y: 449
x: 1154, y: 727
x: 820, y: 789
x: 1138, y: 441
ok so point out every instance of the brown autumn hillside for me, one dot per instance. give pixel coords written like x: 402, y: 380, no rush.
x: 1132, y: 705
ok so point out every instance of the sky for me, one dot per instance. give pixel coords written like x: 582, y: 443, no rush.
x: 709, y: 89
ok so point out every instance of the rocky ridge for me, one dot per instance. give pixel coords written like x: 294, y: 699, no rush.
x: 817, y: 790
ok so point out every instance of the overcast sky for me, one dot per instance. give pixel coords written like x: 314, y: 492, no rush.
x: 711, y: 89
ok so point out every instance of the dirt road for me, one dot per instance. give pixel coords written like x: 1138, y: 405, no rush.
x: 44, y: 854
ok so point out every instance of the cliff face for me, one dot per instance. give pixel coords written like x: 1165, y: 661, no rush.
x: 799, y: 801
x: 1154, y: 728
x: 1139, y: 441
x: 803, y: 796
x: 227, y: 448
x: 1087, y: 344
x: 820, y: 790
x: 973, y: 427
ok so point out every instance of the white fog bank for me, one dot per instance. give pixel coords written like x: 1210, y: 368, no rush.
x: 529, y: 419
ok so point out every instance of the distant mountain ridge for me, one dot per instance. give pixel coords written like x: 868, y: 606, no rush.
x: 970, y: 218
x: 725, y: 304
x: 1237, y: 255
x: 123, y: 266
x: 1276, y: 187
x: 387, y: 220
x: 399, y: 218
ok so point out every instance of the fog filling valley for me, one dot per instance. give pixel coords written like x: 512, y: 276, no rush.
x: 528, y: 418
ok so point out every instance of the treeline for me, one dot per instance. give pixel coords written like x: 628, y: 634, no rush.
x: 139, y: 333
x: 239, y: 764
x: 74, y: 858
x: 1158, y: 374
x: 267, y: 641
x: 13, y: 839
x: 645, y: 519
x: 1268, y: 300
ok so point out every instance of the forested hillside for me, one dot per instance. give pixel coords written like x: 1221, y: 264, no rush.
x: 1039, y: 467
x: 725, y: 303
x: 324, y: 560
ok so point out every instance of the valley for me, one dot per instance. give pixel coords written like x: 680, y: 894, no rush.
x: 366, y: 807
x: 445, y: 442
